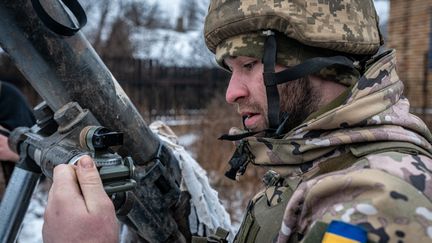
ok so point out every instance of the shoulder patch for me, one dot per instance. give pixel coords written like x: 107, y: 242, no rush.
x: 342, y: 232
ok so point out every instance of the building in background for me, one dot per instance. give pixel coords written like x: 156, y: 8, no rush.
x: 410, y: 33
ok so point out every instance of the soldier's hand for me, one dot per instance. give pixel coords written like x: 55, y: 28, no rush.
x: 6, y: 154
x: 78, y: 208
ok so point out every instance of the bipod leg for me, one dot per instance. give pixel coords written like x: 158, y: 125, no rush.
x: 15, y: 202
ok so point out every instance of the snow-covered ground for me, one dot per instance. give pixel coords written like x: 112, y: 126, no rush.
x: 173, y: 48
x: 31, y: 231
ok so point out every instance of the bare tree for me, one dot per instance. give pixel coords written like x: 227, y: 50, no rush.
x: 190, y: 12
x: 143, y: 14
x: 155, y: 20
x: 118, y: 43
x: 98, y: 15
x: 97, y: 40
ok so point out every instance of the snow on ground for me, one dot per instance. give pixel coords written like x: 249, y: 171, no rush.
x: 172, y: 48
x: 31, y: 231
x: 188, y: 139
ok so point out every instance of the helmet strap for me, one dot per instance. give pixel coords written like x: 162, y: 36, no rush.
x: 310, y: 66
x: 278, y: 119
x: 269, y: 61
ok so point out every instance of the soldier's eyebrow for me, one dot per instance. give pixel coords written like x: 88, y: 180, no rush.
x: 230, y: 58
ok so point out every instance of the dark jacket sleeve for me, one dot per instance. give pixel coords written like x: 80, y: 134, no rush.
x: 14, y: 109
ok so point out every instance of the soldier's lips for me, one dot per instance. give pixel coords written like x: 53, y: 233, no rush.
x: 250, y: 120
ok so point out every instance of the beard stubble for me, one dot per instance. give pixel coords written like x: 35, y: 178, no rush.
x: 298, y: 99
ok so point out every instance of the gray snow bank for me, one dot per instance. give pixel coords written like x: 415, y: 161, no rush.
x: 172, y: 48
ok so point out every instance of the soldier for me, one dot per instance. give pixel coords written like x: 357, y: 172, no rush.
x: 15, y: 112
x: 324, y: 111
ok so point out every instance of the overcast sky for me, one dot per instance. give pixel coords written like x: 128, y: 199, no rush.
x: 382, y: 8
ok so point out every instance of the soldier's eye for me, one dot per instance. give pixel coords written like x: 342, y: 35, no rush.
x: 250, y: 65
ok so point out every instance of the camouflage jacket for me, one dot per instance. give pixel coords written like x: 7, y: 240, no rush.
x: 364, y: 160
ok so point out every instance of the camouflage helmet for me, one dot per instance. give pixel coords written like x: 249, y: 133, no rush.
x: 317, y: 36
x: 349, y: 26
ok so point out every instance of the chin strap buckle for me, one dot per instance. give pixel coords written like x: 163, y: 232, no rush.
x: 239, y: 161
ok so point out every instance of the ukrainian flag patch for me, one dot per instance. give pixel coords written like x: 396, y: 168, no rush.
x: 341, y: 232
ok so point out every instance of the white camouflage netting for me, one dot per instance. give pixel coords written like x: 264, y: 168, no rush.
x: 207, y: 212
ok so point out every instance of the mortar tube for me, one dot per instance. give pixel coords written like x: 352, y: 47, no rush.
x: 66, y: 69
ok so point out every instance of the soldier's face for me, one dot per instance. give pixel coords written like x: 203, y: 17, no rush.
x: 246, y: 89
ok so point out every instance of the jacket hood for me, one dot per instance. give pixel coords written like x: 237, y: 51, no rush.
x: 374, y: 110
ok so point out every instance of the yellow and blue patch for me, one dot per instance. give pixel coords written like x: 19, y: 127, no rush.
x: 341, y: 232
